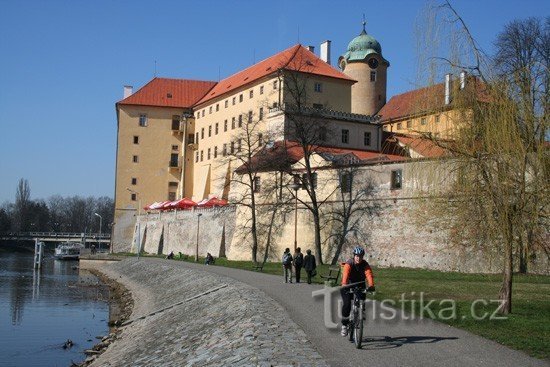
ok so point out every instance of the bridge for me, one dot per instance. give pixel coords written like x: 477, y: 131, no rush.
x: 104, y: 238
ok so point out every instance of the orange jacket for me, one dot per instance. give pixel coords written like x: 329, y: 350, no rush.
x: 354, y: 273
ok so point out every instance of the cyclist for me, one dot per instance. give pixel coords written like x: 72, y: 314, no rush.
x: 356, y: 272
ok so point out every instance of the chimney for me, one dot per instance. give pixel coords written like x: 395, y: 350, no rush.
x: 311, y: 48
x: 463, y: 79
x: 325, y: 51
x: 128, y: 90
x: 448, y: 81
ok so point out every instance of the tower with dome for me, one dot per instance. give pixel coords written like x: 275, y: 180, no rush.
x: 363, y: 61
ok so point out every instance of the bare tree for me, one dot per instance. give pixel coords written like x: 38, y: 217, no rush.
x: 21, y: 220
x: 354, y: 206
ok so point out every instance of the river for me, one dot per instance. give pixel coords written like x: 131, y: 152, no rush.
x: 41, y: 309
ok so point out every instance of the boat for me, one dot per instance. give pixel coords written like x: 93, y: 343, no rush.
x: 68, y: 251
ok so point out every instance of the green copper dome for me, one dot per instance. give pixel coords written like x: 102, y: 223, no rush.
x: 361, y: 47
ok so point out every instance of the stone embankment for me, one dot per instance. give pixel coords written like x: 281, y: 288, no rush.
x: 184, y: 317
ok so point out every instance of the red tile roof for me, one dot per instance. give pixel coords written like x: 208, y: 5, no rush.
x: 422, y: 146
x: 184, y: 93
x: 294, y: 58
x: 424, y: 100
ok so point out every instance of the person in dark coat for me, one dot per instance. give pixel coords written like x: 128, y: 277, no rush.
x: 298, y: 263
x: 309, y: 265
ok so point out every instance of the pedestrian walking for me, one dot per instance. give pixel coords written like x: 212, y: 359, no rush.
x: 310, y: 265
x: 287, y: 265
x: 298, y: 263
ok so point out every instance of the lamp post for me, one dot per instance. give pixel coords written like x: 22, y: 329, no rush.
x: 295, y: 186
x: 100, y: 225
x: 138, y: 196
x: 197, y: 247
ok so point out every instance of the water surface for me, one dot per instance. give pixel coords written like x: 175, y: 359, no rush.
x: 41, y: 309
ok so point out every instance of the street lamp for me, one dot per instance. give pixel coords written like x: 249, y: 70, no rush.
x: 100, y: 225
x: 137, y: 220
x: 295, y: 186
x: 197, y: 247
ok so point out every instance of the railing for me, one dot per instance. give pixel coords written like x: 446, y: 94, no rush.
x: 53, y: 235
x: 324, y: 112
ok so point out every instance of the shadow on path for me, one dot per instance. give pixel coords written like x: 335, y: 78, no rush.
x: 387, y: 342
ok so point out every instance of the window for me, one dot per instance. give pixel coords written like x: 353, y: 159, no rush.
x: 224, y: 152
x: 249, y: 117
x: 436, y: 118
x: 198, y: 115
x: 226, y: 103
x: 366, y: 138
x: 175, y: 147
x: 168, y: 95
x: 260, y: 139
x: 234, y: 100
x: 143, y: 120
x: 216, y: 151
x: 423, y: 121
x: 202, y: 113
x: 232, y: 147
x: 261, y: 114
x: 345, y: 136
x: 175, y: 122
x: 275, y: 84
x: 210, y: 131
x: 240, y: 97
x: 136, y: 139
x: 173, y: 160
x: 216, y: 129
x: 313, y: 180
x: 134, y: 181
x: 202, y: 133
x: 210, y: 110
x: 251, y: 93
x: 217, y: 107
x: 257, y: 184
x: 196, y: 156
x: 202, y: 155
x: 373, y: 76
x: 409, y: 124
x: 190, y: 138
x: 275, y: 104
x: 197, y: 139
x: 171, y: 196
x: 318, y: 106
x: 172, y: 184
x: 135, y: 159
x: 225, y: 125
x: 318, y: 87
x: 240, y: 120
x: 261, y: 89
x: 133, y: 197
x: 399, y: 126
x: 232, y: 123
x: 323, y: 133
x: 239, y: 145
x: 208, y: 154
x: 396, y: 179
x: 345, y: 181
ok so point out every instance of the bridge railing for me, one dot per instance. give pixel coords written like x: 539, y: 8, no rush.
x: 55, y: 234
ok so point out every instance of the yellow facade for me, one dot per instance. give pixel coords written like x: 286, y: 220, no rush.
x: 441, y: 124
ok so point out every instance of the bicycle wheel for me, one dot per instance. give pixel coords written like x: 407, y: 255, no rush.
x: 359, y: 323
x: 352, y: 323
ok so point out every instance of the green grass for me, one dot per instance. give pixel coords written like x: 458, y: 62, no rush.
x: 526, y: 329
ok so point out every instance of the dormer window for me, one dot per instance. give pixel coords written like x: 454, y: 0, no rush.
x: 169, y: 95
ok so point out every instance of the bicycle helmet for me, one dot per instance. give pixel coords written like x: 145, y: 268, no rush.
x: 358, y: 250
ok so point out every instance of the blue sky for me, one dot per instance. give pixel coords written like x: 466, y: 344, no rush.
x: 63, y: 65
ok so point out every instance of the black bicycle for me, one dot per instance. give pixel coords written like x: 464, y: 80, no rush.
x: 357, y: 316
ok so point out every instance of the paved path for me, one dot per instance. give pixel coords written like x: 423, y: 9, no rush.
x: 386, y: 343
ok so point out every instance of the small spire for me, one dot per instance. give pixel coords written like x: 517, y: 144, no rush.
x: 364, y: 23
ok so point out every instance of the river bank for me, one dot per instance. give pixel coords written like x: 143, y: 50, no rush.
x: 189, y: 317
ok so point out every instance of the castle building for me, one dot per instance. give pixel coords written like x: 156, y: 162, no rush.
x: 176, y: 137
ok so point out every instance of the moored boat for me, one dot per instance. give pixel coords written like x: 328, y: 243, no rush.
x: 68, y: 251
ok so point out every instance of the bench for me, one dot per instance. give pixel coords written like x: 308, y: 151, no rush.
x: 258, y: 266
x: 333, y: 274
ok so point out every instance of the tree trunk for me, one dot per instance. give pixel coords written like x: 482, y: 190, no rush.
x: 317, y: 222
x: 506, y: 291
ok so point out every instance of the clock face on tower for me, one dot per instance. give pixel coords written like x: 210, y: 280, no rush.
x: 373, y: 63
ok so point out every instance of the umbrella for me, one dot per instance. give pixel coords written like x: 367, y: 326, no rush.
x: 212, y: 202
x: 184, y: 203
